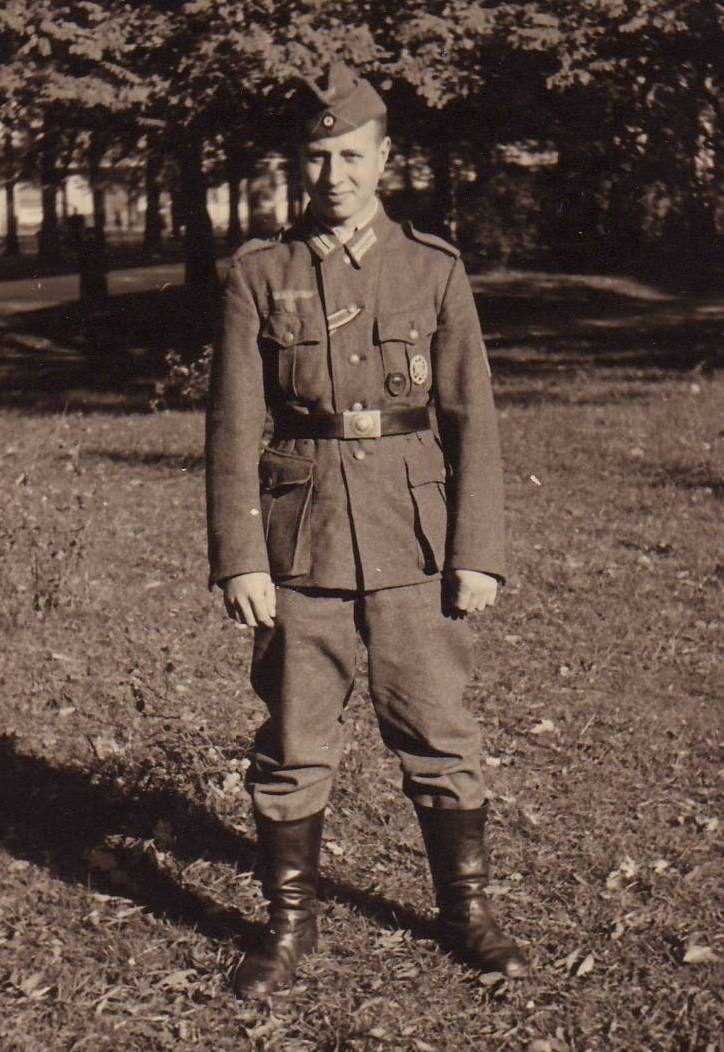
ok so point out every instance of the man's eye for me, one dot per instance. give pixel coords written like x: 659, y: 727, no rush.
x: 351, y: 155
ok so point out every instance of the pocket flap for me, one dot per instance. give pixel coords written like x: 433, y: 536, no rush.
x: 425, y: 463
x: 288, y: 329
x: 283, y: 469
x: 407, y: 326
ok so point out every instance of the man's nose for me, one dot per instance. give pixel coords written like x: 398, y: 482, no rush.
x: 333, y: 171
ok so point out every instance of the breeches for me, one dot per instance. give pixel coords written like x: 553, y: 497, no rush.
x: 419, y: 664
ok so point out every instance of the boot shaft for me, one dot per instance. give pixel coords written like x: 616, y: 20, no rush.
x: 289, y: 861
x: 455, y: 844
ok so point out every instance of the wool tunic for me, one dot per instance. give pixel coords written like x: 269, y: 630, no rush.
x: 386, y: 320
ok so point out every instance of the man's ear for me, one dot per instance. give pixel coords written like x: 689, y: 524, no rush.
x: 385, y: 147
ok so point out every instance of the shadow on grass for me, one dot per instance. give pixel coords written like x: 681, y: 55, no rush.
x: 56, y: 817
x: 173, y: 462
x: 545, y: 394
x: 694, y: 479
x: 67, y: 357
x: 542, y: 326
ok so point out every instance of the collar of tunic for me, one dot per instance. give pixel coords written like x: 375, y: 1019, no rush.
x: 323, y: 242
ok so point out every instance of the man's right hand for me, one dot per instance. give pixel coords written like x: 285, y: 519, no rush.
x: 250, y: 599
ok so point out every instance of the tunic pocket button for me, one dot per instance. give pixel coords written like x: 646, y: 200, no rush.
x: 396, y: 384
x: 414, y: 334
x: 288, y: 336
x: 359, y: 454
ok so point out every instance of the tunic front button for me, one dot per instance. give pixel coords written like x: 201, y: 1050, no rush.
x: 357, y: 407
x: 288, y: 337
x: 354, y: 359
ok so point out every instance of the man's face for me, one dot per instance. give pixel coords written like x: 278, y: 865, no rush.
x: 341, y: 173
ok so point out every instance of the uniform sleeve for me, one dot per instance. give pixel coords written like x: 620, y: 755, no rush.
x: 234, y: 427
x: 469, y: 434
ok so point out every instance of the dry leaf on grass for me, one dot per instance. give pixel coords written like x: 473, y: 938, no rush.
x: 700, y: 955
x: 543, y: 727
x: 576, y: 964
x: 623, y: 874
x: 30, y: 986
x: 547, y: 1044
x: 179, y: 980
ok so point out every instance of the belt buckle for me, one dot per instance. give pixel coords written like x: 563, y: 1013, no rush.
x: 362, y: 423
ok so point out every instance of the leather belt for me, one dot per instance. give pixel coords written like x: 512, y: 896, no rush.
x: 353, y: 424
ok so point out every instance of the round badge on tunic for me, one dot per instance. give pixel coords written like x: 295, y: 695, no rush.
x: 419, y: 370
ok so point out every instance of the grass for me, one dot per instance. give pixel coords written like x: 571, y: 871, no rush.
x: 127, y: 845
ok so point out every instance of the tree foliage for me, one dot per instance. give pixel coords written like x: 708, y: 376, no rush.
x: 628, y: 93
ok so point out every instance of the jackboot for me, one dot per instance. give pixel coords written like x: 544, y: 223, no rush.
x: 289, y: 871
x: 459, y: 865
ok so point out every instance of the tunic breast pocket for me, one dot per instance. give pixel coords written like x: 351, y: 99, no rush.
x: 301, y: 358
x: 404, y: 339
x: 286, y: 483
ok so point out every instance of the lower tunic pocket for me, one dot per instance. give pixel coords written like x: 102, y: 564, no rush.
x: 286, y: 485
x: 426, y: 479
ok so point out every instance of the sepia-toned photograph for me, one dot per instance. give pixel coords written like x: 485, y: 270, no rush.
x: 361, y: 535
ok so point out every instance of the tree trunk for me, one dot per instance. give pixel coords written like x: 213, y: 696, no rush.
x: 49, y: 234
x: 701, y: 212
x: 12, y: 242
x: 253, y: 201
x: 153, y: 229
x: 408, y: 182
x: 244, y: 207
x: 295, y: 193
x: 233, y: 176
x: 99, y: 215
x: 443, y: 218
x: 98, y: 190
x: 177, y: 210
x: 200, y: 272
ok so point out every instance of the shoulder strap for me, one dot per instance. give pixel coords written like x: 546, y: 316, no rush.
x: 430, y: 239
x: 256, y: 244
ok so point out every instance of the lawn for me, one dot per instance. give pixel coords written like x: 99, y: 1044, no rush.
x: 126, y: 718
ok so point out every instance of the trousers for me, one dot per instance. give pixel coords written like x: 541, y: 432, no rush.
x: 303, y: 669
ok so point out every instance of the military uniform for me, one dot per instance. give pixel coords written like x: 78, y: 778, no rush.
x: 383, y: 324
x: 383, y: 471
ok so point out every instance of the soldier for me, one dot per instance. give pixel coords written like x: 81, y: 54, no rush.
x: 376, y: 508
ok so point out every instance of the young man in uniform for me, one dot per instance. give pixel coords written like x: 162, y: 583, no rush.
x: 376, y: 509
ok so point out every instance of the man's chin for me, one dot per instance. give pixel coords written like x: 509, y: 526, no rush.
x: 337, y: 212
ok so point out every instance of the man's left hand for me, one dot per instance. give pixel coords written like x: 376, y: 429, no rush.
x: 469, y: 590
